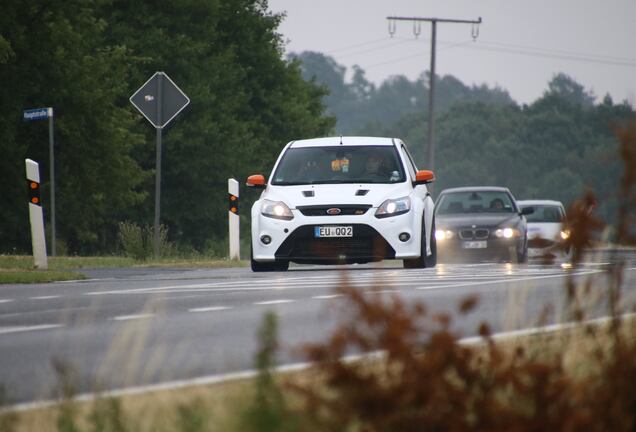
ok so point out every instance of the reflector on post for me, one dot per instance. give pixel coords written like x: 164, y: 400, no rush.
x: 234, y: 227
x: 36, y: 217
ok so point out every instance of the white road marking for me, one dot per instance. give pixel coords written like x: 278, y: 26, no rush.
x: 327, y: 297
x: 251, y: 373
x: 6, y: 300
x: 209, y: 309
x: 45, y: 297
x: 16, y: 329
x: 441, y: 277
x: 381, y: 292
x: 521, y: 279
x: 273, y: 302
x: 132, y: 317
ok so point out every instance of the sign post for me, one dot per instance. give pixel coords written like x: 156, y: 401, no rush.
x: 36, y: 218
x: 234, y: 219
x: 40, y: 114
x: 159, y: 100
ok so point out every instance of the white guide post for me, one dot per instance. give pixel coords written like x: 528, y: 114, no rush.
x: 233, y: 214
x: 35, y: 215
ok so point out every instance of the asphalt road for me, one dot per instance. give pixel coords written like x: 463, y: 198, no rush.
x: 130, y: 327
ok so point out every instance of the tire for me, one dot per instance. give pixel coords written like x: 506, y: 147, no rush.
x: 522, y: 257
x: 431, y: 260
x: 424, y: 261
x: 267, y: 266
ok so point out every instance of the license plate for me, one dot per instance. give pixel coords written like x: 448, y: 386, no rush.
x: 475, y: 244
x: 333, y: 231
x: 535, y: 253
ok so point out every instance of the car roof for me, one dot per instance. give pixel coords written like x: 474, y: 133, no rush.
x: 344, y: 141
x: 476, y: 189
x: 540, y: 202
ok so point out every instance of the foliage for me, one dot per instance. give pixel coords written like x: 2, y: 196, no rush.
x: 138, y: 241
x: 86, y: 58
x: 55, y: 55
x: 246, y: 102
x: 361, y: 106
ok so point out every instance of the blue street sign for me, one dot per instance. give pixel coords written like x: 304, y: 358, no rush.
x: 37, y: 114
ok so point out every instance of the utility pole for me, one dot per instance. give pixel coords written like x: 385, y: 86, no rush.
x: 431, y: 98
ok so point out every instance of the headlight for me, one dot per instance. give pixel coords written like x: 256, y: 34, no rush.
x: 393, y: 207
x: 565, y: 234
x: 442, y: 234
x: 507, y: 233
x: 276, y: 210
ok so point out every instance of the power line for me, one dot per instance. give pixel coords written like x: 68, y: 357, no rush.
x: 631, y: 63
x: 412, y: 57
x: 493, y: 46
x: 361, y: 44
x: 390, y: 44
x: 557, y: 51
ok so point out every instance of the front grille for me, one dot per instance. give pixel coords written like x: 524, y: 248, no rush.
x: 345, y: 210
x: 539, y: 242
x: 365, y: 245
x: 471, y: 234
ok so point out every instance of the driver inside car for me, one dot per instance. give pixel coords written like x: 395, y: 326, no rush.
x: 375, y: 166
x: 496, y: 204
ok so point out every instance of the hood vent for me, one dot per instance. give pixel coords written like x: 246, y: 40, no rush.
x: 362, y: 192
x: 308, y: 194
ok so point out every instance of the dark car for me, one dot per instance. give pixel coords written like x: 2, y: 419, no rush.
x: 481, y: 223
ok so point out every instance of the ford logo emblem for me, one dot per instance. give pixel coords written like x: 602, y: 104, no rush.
x: 334, y: 211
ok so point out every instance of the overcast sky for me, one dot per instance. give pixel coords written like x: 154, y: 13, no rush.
x: 521, y: 43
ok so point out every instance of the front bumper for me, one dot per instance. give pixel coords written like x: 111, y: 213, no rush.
x: 373, y: 239
x: 496, y: 249
x: 546, y: 249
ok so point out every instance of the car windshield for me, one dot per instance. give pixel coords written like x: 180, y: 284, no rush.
x: 545, y: 213
x: 474, y: 202
x: 341, y: 164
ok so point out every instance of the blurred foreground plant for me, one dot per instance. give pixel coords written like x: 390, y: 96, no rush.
x: 425, y: 379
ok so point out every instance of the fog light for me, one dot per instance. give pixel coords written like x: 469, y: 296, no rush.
x: 404, y: 237
x: 265, y: 239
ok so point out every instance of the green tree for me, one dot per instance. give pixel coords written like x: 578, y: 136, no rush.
x: 247, y: 102
x: 53, y: 54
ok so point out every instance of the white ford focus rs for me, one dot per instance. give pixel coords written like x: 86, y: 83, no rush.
x: 343, y: 200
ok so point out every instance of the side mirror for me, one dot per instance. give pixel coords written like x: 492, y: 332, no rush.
x: 424, y: 177
x: 256, y: 181
x: 526, y: 211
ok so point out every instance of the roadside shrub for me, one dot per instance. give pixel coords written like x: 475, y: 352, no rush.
x: 138, y: 241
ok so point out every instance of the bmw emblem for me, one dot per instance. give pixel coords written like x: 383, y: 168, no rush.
x: 334, y: 211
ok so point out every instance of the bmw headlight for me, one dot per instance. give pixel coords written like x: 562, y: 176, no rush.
x: 276, y: 210
x: 442, y: 234
x: 394, y: 207
x: 507, y: 233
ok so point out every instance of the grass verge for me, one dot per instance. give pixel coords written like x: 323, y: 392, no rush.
x: 223, y: 406
x: 16, y: 269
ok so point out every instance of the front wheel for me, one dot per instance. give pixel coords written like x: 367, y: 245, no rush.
x: 424, y: 261
x: 268, y: 266
x: 522, y: 257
